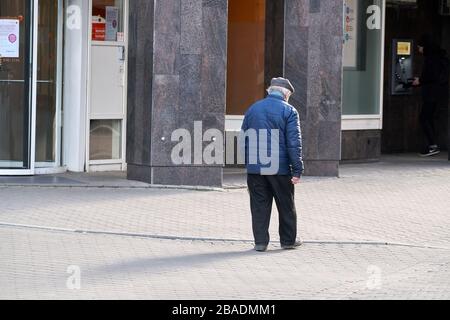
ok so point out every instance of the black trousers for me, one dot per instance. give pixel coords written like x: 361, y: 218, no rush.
x: 427, y: 122
x: 263, y: 190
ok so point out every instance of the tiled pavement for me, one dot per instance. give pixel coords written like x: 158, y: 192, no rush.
x: 175, y: 244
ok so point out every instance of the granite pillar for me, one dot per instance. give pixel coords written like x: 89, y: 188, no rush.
x: 140, y: 76
x: 177, y: 76
x: 313, y: 62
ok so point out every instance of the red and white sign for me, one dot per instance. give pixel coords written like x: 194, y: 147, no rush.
x: 98, y: 29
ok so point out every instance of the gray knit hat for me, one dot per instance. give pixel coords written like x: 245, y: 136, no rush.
x: 283, y: 83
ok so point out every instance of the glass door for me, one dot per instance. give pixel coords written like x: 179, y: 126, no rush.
x: 107, y: 86
x: 16, y: 84
x: 48, y: 88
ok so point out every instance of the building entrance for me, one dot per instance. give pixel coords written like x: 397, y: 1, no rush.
x: 15, y: 85
x: 29, y: 91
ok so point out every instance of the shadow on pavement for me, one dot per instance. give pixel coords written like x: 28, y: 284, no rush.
x: 177, y: 262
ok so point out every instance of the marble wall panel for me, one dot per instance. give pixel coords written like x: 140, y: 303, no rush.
x: 313, y: 62
x: 185, y: 79
x: 140, y: 75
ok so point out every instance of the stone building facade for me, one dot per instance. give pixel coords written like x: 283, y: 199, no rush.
x: 178, y: 75
x: 101, y: 85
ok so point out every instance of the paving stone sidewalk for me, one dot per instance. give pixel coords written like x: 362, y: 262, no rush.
x: 135, y: 268
x: 183, y: 244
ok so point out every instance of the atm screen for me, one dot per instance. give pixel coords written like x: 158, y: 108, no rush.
x: 404, y: 48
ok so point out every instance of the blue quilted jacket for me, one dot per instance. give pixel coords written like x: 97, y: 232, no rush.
x: 273, y: 113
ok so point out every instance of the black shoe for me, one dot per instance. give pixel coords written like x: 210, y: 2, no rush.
x: 292, y: 247
x: 431, y: 151
x: 261, y: 248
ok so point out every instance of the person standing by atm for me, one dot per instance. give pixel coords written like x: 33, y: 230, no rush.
x: 434, y: 82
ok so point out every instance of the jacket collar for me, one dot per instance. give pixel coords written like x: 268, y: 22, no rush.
x: 276, y: 96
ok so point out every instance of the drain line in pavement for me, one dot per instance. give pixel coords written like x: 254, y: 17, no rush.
x: 200, y: 239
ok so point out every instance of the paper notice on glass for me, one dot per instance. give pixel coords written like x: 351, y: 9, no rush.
x: 112, y: 23
x: 351, y: 33
x: 120, y: 37
x: 9, y: 38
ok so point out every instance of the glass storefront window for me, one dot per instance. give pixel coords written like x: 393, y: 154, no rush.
x: 108, y: 68
x: 362, y: 59
x: 246, y: 54
x: 107, y: 20
x: 106, y: 140
x: 16, y: 98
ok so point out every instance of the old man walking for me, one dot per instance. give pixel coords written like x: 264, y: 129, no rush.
x: 279, y: 138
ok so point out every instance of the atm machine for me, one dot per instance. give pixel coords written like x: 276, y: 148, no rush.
x: 402, y: 67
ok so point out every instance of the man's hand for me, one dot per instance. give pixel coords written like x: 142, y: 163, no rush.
x: 416, y: 82
x: 295, y: 180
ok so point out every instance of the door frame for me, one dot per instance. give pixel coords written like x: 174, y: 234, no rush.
x: 118, y: 164
x: 32, y: 65
x: 56, y: 166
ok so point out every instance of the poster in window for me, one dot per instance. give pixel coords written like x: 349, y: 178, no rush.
x: 112, y: 23
x: 351, y: 23
x: 9, y: 38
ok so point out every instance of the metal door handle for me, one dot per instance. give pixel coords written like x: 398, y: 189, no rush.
x: 20, y: 81
x: 13, y: 81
